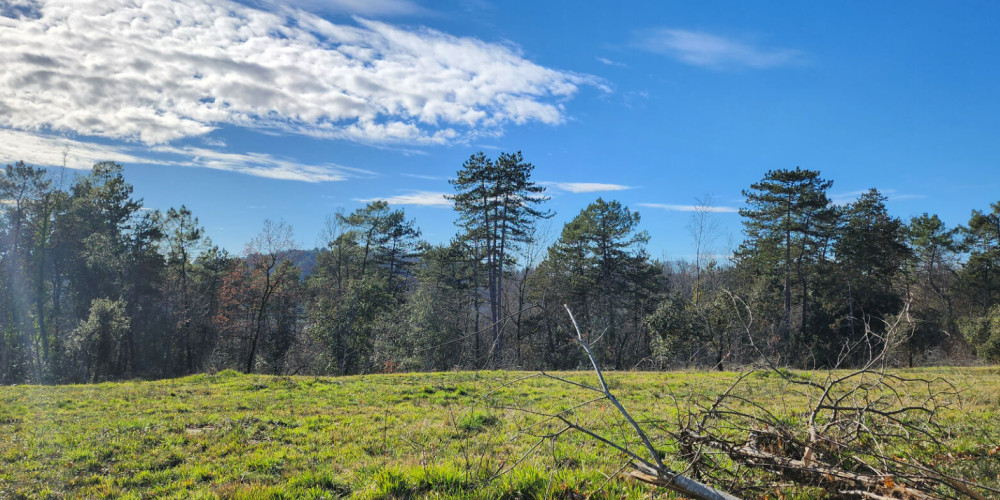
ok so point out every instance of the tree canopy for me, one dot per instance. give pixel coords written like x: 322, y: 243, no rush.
x: 95, y: 286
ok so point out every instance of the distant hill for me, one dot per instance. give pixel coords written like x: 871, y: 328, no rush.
x: 306, y: 259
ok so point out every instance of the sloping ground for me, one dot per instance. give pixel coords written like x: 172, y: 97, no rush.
x: 460, y: 435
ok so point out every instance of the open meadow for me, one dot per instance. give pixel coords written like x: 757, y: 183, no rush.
x: 443, y: 435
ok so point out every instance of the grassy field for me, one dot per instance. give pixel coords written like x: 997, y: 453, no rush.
x: 446, y: 435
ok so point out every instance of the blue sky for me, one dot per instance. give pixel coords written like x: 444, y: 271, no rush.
x: 292, y: 110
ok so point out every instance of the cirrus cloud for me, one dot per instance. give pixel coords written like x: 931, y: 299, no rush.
x: 360, y: 7
x: 713, y: 51
x: 691, y: 208
x: 584, y: 187
x: 156, y: 71
x: 419, y: 198
x: 50, y: 151
x: 849, y: 197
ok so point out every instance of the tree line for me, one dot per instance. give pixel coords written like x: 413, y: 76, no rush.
x: 94, y: 286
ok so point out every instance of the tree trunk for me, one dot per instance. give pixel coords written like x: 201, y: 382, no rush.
x: 498, y: 329
x: 787, y: 320
x: 261, y: 311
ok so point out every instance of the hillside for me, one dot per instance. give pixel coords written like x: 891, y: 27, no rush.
x: 230, y: 435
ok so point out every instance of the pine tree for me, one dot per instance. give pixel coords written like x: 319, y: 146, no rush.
x: 496, y: 203
x: 788, y: 223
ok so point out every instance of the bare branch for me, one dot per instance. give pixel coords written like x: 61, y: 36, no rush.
x: 658, y: 474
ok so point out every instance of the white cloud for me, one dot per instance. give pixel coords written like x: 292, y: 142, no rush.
x: 890, y: 194
x: 609, y: 62
x: 361, y: 7
x: 421, y: 198
x: 259, y: 165
x: 713, y: 51
x: 585, y: 187
x: 424, y: 177
x: 159, y: 70
x: 691, y: 208
x: 845, y: 198
x: 48, y: 151
x: 897, y: 197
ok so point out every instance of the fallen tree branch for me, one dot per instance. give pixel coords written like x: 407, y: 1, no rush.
x: 852, y: 440
x: 857, y: 422
x: 655, y: 473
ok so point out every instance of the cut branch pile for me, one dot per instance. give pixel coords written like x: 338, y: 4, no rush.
x: 855, y: 441
x: 867, y: 434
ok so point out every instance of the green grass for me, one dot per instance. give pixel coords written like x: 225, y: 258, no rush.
x: 441, y: 435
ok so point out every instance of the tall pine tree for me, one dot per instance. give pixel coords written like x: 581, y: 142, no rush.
x: 496, y: 202
x: 788, y: 222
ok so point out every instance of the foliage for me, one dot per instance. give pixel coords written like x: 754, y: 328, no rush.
x: 981, y: 273
x: 808, y: 277
x: 258, y: 300
x: 870, y: 253
x: 99, y: 339
x: 387, y: 237
x: 599, y: 266
x: 788, y: 222
x: 496, y: 202
x: 694, y: 330
x: 984, y: 333
x: 359, y: 286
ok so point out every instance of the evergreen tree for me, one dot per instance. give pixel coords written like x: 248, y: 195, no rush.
x: 496, y: 203
x: 789, y: 223
x: 870, y: 254
x: 601, y: 267
x: 389, y: 240
x: 22, y: 187
x: 983, y: 333
x: 183, y: 243
x: 981, y: 275
x: 359, y: 288
x: 101, y: 340
x: 979, y: 281
x: 932, y: 277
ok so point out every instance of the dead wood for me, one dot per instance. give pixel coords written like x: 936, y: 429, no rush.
x: 848, y: 442
x: 655, y: 472
x: 852, y: 441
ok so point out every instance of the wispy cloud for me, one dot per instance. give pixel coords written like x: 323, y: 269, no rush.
x: 421, y: 198
x: 260, y: 165
x: 890, y: 194
x: 49, y: 151
x: 425, y: 177
x: 690, y: 208
x: 155, y: 71
x: 584, y: 187
x: 635, y: 98
x: 361, y: 7
x: 897, y: 197
x: 609, y: 62
x: 713, y: 51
